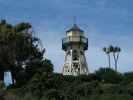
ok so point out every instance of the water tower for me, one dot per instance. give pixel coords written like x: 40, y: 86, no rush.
x: 75, y: 44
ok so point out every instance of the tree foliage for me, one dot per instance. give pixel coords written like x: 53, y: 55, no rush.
x: 20, y: 50
x: 109, y: 75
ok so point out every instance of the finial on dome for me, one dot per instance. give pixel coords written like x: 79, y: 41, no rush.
x: 75, y: 26
x: 74, y: 20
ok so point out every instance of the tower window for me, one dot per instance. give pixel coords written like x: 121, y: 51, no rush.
x: 78, y: 69
x: 75, y: 55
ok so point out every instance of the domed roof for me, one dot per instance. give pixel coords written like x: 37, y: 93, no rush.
x: 75, y: 28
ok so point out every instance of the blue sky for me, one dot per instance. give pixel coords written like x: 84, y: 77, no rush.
x: 105, y: 22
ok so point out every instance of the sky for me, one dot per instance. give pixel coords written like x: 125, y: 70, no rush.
x: 105, y: 22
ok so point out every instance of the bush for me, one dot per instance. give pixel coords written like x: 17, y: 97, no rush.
x: 109, y: 75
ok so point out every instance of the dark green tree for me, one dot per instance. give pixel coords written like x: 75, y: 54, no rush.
x: 38, y: 66
x: 109, y: 75
x: 18, y: 47
x: 127, y: 78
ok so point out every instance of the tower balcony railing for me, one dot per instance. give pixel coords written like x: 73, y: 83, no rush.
x: 75, y: 39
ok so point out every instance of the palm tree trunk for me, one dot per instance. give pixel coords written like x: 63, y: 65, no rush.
x: 116, y: 57
x: 115, y: 61
x: 109, y: 60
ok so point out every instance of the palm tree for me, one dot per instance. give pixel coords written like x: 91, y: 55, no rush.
x: 116, y: 51
x: 107, y: 51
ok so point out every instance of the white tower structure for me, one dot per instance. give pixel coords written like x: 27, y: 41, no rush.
x: 74, y: 45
